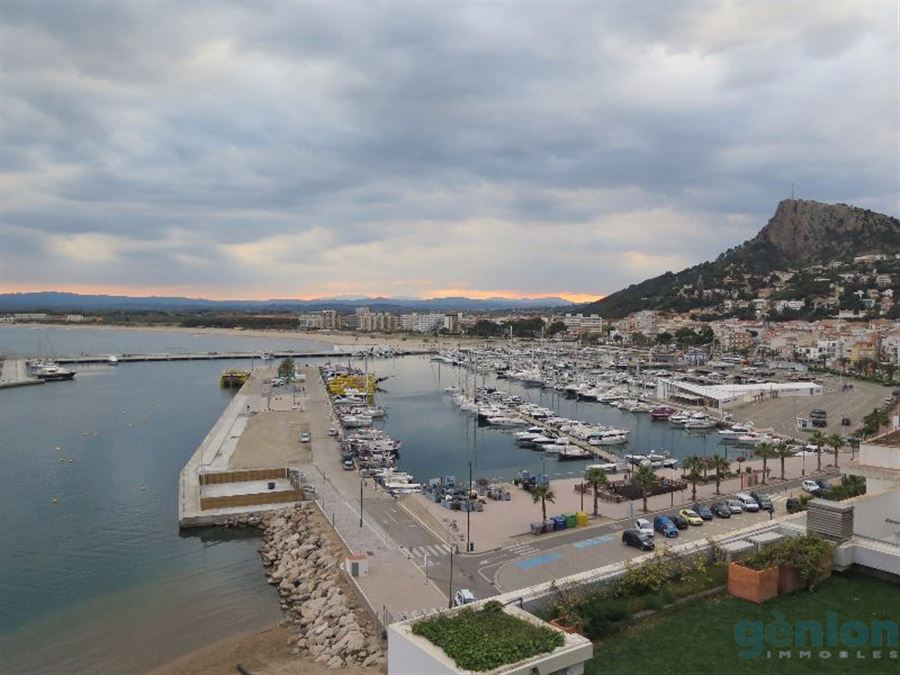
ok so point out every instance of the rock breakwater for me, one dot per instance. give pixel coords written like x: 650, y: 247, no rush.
x: 302, y: 558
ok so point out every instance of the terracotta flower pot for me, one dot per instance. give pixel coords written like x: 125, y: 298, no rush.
x: 749, y: 584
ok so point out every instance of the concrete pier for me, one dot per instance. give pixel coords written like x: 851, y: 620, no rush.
x: 15, y: 374
x: 249, y: 460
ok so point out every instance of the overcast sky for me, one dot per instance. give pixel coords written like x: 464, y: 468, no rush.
x: 307, y: 150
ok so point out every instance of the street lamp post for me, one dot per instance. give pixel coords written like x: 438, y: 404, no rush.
x: 469, y: 512
x: 360, y: 501
x: 453, y: 548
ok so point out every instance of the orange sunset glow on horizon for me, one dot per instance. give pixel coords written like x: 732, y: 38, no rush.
x: 206, y: 294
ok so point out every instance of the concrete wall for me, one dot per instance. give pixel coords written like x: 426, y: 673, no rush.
x: 408, y: 656
x: 882, y: 456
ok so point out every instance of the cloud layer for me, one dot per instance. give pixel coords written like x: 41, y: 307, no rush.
x: 301, y: 150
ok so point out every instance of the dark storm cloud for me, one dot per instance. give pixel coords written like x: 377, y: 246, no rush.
x: 418, y: 147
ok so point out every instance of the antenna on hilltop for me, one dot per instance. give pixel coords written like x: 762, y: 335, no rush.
x: 792, y: 190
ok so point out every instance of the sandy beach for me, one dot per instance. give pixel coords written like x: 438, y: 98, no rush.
x: 265, y: 652
x: 397, y: 341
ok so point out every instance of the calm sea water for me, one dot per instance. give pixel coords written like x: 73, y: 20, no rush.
x: 440, y: 439
x: 100, y: 580
x: 72, y: 340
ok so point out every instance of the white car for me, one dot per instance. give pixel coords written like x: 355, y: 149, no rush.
x: 747, y: 502
x: 305, y: 437
x: 644, y: 526
x: 463, y: 597
x: 735, y: 505
x: 811, y: 486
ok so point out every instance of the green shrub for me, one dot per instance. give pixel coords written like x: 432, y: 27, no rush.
x: 487, y: 638
x: 804, y: 553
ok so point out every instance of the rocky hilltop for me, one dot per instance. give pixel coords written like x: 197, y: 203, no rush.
x: 808, y: 231
x: 800, y: 233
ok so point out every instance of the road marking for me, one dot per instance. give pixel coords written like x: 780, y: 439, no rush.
x: 593, y: 541
x: 530, y: 563
x: 431, y: 550
x: 521, y: 549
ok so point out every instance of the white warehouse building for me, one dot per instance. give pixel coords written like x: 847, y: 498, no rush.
x: 721, y: 396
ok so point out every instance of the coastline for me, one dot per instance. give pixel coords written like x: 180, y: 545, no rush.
x: 324, y: 337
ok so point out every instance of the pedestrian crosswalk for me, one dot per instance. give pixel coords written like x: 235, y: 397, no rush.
x: 419, y: 552
x: 520, y: 550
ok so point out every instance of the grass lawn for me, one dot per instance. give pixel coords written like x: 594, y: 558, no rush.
x: 699, y: 637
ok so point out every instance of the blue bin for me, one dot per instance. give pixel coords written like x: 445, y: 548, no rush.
x: 559, y: 522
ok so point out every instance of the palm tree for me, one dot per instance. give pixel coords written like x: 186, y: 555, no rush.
x: 836, y: 441
x: 543, y: 494
x: 596, y: 478
x: 874, y: 421
x: 644, y: 478
x: 766, y: 451
x: 720, y: 465
x: 783, y: 451
x: 818, y: 439
x: 693, y: 465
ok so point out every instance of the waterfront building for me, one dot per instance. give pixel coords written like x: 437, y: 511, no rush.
x: 329, y: 319
x: 579, y: 324
x: 421, y: 323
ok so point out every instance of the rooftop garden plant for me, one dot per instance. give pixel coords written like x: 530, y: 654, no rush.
x: 486, y: 638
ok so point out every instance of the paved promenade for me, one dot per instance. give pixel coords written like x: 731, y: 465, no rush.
x: 395, y: 582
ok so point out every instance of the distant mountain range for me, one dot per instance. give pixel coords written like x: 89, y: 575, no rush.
x: 801, y: 234
x: 53, y: 301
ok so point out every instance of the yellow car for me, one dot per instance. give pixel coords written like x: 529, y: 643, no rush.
x: 691, y: 516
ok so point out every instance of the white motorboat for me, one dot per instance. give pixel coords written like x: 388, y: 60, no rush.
x: 573, y: 453
x: 505, y: 421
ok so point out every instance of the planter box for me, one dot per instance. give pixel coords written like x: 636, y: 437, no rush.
x: 789, y: 581
x: 560, y: 623
x: 748, y: 584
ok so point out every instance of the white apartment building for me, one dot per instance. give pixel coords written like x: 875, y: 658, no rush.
x: 579, y: 323
x: 421, y: 323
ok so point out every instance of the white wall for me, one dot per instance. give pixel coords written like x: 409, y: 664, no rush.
x: 406, y: 656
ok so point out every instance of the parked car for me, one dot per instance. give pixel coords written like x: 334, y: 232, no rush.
x: 680, y: 523
x: 463, y: 597
x: 638, y: 539
x: 721, y: 509
x: 747, y: 502
x: 811, y: 486
x: 819, y: 422
x: 763, y: 500
x: 818, y: 413
x: 665, y: 526
x: 305, y: 437
x: 643, y: 525
x: 691, y: 516
x: 332, y: 431
x: 703, y: 511
x: 735, y: 506
x: 348, y: 465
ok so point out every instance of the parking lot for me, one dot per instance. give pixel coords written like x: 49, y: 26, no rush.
x: 781, y: 414
x: 607, y: 548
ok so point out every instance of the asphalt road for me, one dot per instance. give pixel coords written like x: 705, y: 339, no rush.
x: 537, y: 559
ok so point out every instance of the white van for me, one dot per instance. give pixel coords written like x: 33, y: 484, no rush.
x: 747, y: 502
